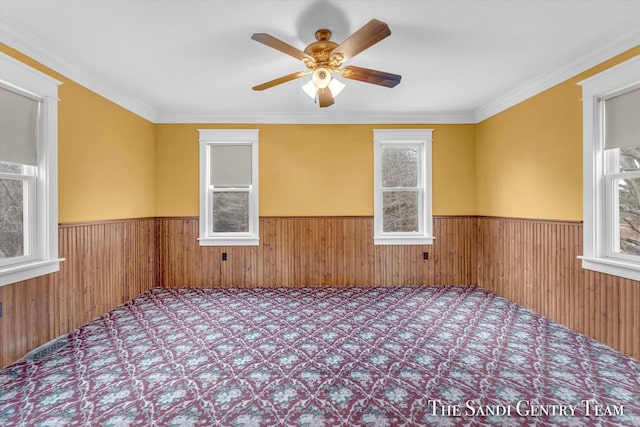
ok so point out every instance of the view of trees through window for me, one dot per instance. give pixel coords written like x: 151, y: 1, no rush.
x: 230, y: 212
x: 11, y: 212
x: 400, y: 196
x: 629, y: 202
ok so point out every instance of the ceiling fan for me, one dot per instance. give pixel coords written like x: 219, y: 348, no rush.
x: 325, y: 57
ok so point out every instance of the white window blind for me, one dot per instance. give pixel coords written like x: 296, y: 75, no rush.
x: 18, y: 127
x: 230, y: 165
x: 622, y: 120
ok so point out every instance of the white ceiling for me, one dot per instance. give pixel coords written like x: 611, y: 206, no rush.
x: 194, y: 61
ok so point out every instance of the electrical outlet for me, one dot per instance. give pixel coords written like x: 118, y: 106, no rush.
x: 425, y: 255
x: 224, y: 256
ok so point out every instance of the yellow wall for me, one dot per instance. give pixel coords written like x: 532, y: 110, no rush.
x: 529, y: 157
x: 114, y: 164
x: 524, y: 162
x: 106, y: 159
x: 105, y: 155
x: 315, y: 170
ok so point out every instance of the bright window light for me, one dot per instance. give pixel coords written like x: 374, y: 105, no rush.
x: 335, y: 87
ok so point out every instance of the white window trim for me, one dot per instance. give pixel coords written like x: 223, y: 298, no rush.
x: 403, y: 136
x: 21, y: 76
x: 594, y: 90
x: 208, y: 137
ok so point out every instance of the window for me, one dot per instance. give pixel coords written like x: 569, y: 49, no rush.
x: 28, y: 172
x: 402, y: 187
x: 611, y: 120
x: 228, y: 187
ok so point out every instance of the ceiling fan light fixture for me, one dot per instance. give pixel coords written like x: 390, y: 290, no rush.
x: 310, y: 89
x: 335, y: 86
x: 321, y: 77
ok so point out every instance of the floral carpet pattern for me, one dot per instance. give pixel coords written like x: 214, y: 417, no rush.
x: 357, y: 356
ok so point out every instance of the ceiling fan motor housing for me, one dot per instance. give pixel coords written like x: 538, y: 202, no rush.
x: 322, y: 47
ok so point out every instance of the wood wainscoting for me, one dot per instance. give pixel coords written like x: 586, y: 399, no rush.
x: 106, y: 263
x: 531, y: 262
x: 316, y: 251
x: 535, y: 264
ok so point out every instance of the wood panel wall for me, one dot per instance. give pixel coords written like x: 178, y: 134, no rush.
x: 535, y: 264
x: 531, y: 262
x: 106, y: 264
x: 316, y: 251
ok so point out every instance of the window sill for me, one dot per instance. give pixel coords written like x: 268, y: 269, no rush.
x: 402, y: 240
x: 20, y: 272
x: 229, y: 241
x: 626, y: 269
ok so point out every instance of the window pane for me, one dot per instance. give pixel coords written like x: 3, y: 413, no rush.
x: 400, y: 211
x: 400, y: 166
x: 230, y: 165
x: 629, y: 211
x: 629, y: 159
x: 12, y: 218
x: 230, y: 212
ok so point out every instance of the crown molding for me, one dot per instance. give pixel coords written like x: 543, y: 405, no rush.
x: 547, y: 80
x: 320, y: 117
x: 17, y: 39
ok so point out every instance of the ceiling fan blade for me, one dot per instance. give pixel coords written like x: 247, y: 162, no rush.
x: 278, y: 44
x: 371, y: 33
x: 281, y: 80
x: 370, y: 76
x: 325, y: 97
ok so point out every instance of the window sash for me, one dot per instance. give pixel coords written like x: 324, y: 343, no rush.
x: 419, y: 212
x: 224, y: 180
x: 417, y: 188
x: 29, y: 220
x: 418, y: 163
x: 213, y: 190
x: 612, y: 216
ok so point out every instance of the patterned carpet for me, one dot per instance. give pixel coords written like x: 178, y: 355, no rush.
x: 322, y: 357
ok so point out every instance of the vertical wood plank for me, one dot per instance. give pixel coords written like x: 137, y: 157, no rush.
x: 317, y: 251
x: 534, y: 263
x: 531, y: 262
x: 106, y: 263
